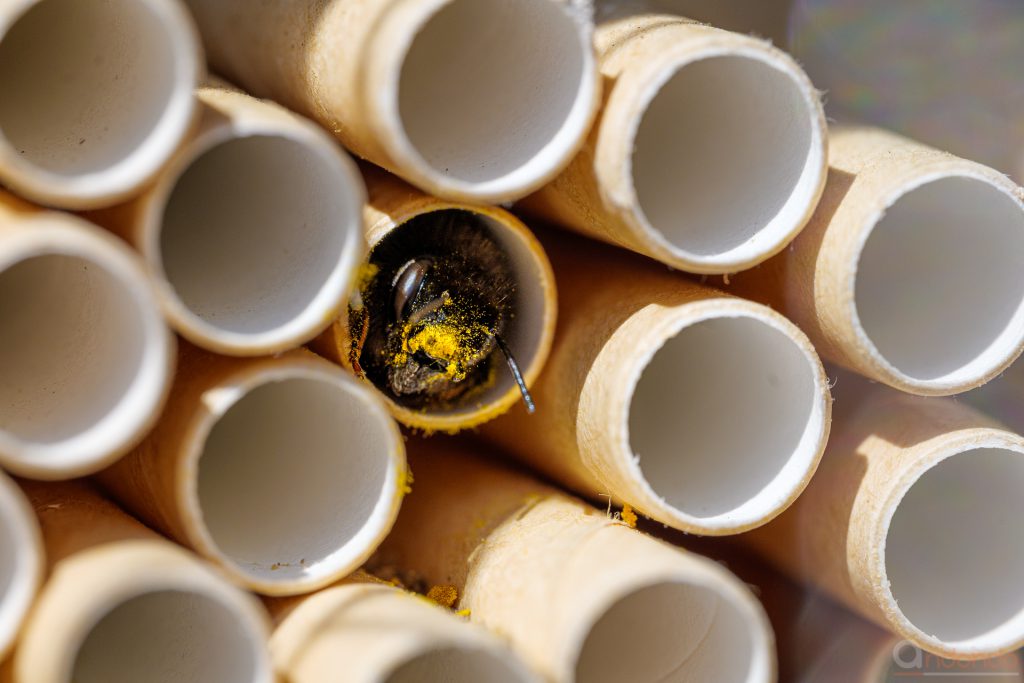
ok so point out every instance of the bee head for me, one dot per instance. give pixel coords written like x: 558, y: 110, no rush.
x: 440, y: 300
x: 443, y: 331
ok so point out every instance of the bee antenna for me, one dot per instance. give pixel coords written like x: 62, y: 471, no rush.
x: 516, y: 374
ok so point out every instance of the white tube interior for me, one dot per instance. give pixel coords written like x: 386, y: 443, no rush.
x: 940, y: 281
x: 458, y: 665
x: 83, y: 355
x: 726, y: 420
x: 495, y: 95
x: 673, y: 632
x: 169, y: 637
x: 297, y: 479
x: 954, y: 553
x: 258, y: 240
x: 728, y: 157
x: 525, y: 337
x: 20, y: 561
x: 96, y: 95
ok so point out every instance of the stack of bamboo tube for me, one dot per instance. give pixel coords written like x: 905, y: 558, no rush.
x: 206, y: 482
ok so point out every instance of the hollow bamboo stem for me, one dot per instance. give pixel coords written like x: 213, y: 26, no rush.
x: 392, y: 205
x: 474, y: 100
x: 910, y: 271
x: 85, y: 356
x: 21, y: 561
x: 121, y: 604
x: 282, y: 470
x: 911, y: 520
x: 377, y: 633
x: 253, y: 230
x: 709, y: 154
x: 703, y: 411
x: 579, y: 595
x: 97, y: 96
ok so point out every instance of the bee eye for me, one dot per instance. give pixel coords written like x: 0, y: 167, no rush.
x: 408, y: 283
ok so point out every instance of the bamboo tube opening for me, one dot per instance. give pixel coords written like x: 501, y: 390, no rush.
x: 674, y: 631
x: 508, y: 271
x: 97, y: 95
x: 21, y: 561
x: 940, y: 281
x: 84, y: 354
x: 727, y: 157
x: 256, y: 238
x: 493, y: 97
x: 728, y: 419
x: 458, y: 665
x: 284, y: 528
x: 167, y: 636
x: 954, y: 555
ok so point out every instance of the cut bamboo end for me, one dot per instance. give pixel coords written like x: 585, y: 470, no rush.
x: 702, y: 411
x: 579, y: 595
x: 392, y: 207
x: 909, y: 273
x: 285, y: 471
x: 21, y: 561
x: 122, y: 605
x: 480, y: 101
x: 380, y: 634
x: 537, y: 84
x: 254, y: 229
x: 710, y: 153
x: 85, y: 355
x: 727, y: 420
x: 97, y: 96
x: 961, y: 607
x: 911, y: 521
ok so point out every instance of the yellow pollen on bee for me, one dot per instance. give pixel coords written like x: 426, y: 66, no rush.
x: 448, y: 341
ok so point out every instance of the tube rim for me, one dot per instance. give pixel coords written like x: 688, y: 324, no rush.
x: 698, y: 572
x: 644, y: 497
x: 469, y: 418
x: 331, y: 298
x: 14, y: 607
x: 216, y: 404
x: 122, y: 571
x: 120, y: 182
x: 959, y: 443
x: 628, y: 103
x: 393, y: 40
x: 979, y: 371
x: 108, y: 440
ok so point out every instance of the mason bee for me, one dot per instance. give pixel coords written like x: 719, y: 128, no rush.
x: 434, y: 308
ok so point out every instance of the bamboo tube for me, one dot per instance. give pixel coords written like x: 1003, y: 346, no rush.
x: 709, y: 154
x: 123, y: 605
x: 377, y: 633
x: 578, y: 595
x: 252, y: 231
x: 820, y: 642
x: 96, y: 96
x: 911, y: 271
x: 702, y: 411
x: 21, y: 561
x: 282, y: 470
x: 392, y: 205
x: 912, y: 520
x: 474, y: 100
x: 85, y: 356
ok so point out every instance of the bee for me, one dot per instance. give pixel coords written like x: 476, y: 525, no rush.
x: 429, y: 324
